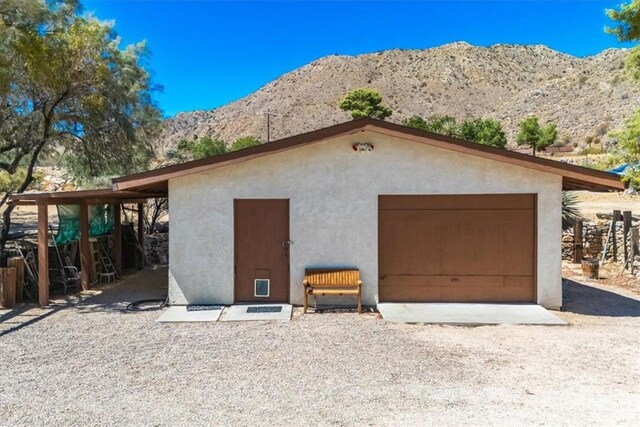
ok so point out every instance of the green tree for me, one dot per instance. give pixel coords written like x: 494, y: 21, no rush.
x: 549, y: 135
x: 627, y: 149
x: 66, y: 86
x: 200, y: 148
x: 416, y: 122
x: 628, y: 30
x: 208, y: 147
x: 537, y: 137
x: 440, y: 124
x: 365, y: 103
x: 244, y: 142
x: 484, y: 131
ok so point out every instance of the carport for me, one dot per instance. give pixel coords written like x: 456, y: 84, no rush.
x: 83, y: 199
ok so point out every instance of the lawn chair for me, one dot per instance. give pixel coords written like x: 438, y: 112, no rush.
x: 66, y: 276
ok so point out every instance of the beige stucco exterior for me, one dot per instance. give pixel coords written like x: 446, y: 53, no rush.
x: 333, y: 193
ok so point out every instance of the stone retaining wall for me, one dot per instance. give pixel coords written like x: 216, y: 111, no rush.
x: 156, y: 248
x: 594, y: 236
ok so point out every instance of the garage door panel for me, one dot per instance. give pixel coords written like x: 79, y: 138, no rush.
x: 455, y: 289
x: 418, y: 232
x: 457, y: 201
x: 462, y: 248
x: 519, y: 241
x: 472, y: 238
x: 524, y: 282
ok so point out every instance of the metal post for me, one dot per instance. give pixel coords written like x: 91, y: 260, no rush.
x: 269, y: 114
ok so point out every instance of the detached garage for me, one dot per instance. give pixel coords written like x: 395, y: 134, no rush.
x: 424, y: 217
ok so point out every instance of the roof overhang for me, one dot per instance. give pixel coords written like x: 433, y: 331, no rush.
x: 573, y: 177
x: 104, y: 196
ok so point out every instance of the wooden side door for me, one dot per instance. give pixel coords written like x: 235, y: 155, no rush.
x: 261, y: 250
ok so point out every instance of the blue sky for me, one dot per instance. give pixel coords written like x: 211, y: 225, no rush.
x: 207, y: 53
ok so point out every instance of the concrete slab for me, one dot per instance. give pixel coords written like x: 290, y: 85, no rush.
x: 468, y: 314
x: 239, y: 312
x: 179, y: 313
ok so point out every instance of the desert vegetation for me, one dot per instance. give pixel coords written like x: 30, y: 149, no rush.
x: 69, y: 92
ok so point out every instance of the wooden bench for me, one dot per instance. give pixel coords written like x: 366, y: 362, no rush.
x: 332, y: 281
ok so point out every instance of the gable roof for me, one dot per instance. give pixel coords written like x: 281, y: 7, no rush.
x: 574, y: 177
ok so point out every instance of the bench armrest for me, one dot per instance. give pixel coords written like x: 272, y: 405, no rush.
x: 360, y: 283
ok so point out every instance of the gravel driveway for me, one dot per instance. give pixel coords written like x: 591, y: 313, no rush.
x: 96, y: 364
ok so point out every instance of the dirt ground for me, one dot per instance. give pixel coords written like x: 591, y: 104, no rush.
x: 89, y: 361
x: 592, y: 203
x: 612, y: 276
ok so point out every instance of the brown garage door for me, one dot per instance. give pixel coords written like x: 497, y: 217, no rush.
x: 463, y: 248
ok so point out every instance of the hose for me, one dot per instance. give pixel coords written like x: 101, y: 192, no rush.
x: 148, y: 304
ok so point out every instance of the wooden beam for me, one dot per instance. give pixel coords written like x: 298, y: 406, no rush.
x: 85, y: 251
x: 91, y: 197
x: 8, y: 287
x: 112, y: 201
x: 18, y: 264
x: 626, y: 226
x: 577, y: 242
x: 117, y: 237
x: 77, y: 201
x: 43, y: 254
x: 141, y: 232
x: 104, y: 194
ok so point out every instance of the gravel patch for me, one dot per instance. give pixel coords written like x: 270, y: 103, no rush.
x: 94, y: 363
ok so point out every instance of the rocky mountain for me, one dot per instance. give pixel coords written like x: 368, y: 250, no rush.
x: 584, y: 96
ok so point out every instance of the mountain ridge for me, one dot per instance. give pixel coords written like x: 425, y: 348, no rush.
x: 585, y: 96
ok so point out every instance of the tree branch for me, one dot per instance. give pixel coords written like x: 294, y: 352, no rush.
x: 6, y: 215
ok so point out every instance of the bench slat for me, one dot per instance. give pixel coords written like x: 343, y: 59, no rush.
x: 331, y: 277
x: 325, y: 291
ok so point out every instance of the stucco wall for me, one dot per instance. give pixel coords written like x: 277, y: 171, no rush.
x: 333, y: 193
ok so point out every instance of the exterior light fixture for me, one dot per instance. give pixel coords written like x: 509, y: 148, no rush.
x: 362, y: 146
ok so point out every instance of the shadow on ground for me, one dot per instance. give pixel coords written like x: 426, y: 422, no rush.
x: 584, y: 299
x: 25, y: 315
x: 147, y: 284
